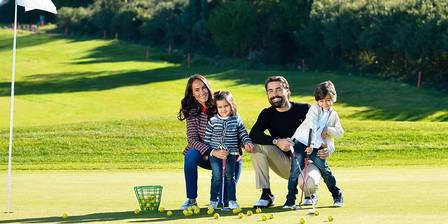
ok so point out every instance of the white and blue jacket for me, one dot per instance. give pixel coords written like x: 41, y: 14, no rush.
x: 226, y: 133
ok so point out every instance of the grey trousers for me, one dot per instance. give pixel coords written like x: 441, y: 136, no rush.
x: 269, y: 156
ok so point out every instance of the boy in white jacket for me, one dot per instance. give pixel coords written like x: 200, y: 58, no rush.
x: 324, y: 122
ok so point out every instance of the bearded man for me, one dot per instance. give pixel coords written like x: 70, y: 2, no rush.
x: 281, y: 119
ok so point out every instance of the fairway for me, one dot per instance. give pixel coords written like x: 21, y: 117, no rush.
x: 414, y: 194
x: 97, y: 118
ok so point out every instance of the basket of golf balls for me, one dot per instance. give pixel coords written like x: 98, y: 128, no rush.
x: 148, y: 197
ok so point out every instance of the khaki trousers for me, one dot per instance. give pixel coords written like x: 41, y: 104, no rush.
x: 269, y: 156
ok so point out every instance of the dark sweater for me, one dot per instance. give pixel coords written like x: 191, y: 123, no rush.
x: 279, y: 124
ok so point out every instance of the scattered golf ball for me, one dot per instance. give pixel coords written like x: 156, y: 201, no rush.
x: 235, y: 211
x: 249, y: 213
x: 240, y: 215
x: 316, y: 213
x: 264, y: 218
x: 210, y: 211
x: 330, y: 218
x: 162, y: 209
x: 190, y: 208
x: 258, y: 210
x: 197, y: 211
x: 169, y: 213
x: 185, y: 212
x: 216, y: 216
x: 302, y: 221
x: 136, y: 211
x: 190, y: 213
x: 64, y: 215
x: 271, y: 216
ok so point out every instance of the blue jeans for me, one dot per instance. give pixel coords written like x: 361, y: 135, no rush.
x: 297, y: 165
x: 217, y: 178
x: 192, y: 160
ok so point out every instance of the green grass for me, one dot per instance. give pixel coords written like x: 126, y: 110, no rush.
x: 412, y: 194
x: 94, y: 104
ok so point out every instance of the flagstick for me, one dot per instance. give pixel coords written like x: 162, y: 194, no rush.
x: 12, y: 107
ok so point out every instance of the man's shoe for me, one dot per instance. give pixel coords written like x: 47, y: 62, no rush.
x: 290, y: 204
x: 338, y: 201
x: 265, y: 201
x: 312, y: 200
x: 188, y: 203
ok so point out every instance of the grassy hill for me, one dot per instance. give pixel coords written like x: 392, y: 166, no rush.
x: 95, y: 104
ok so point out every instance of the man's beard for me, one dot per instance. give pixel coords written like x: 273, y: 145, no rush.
x: 278, y: 104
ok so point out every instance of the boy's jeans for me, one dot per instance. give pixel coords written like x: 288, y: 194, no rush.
x: 216, y: 184
x: 297, y: 165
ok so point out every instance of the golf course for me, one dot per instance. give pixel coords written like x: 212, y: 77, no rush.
x: 93, y: 118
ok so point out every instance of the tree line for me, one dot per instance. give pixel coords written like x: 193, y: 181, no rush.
x: 393, y: 39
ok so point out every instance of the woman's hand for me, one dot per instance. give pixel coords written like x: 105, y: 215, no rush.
x: 249, y: 147
x: 220, y: 154
x: 323, y: 153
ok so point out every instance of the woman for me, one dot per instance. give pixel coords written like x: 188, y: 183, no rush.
x: 196, y: 108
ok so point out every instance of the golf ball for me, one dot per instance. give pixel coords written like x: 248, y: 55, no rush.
x: 162, y: 209
x: 240, y: 215
x: 258, y: 210
x: 330, y: 218
x: 271, y: 216
x: 136, y: 211
x: 197, y: 211
x: 64, y: 215
x: 185, y: 212
x: 216, y: 216
x: 210, y: 211
x: 169, y: 213
x: 264, y: 218
x: 249, y: 213
x: 316, y: 213
x: 235, y: 211
x: 302, y: 221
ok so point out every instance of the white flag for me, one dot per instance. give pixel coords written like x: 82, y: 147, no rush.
x: 45, y: 5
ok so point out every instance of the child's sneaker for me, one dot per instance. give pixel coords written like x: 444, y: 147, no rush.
x: 311, y: 200
x: 338, y: 200
x: 188, y: 203
x: 213, y: 204
x: 289, y: 204
x: 233, y: 205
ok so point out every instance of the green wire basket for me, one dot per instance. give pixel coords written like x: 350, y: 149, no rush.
x: 148, y: 197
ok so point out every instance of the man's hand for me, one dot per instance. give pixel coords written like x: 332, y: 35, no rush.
x: 284, y: 144
x: 309, y: 150
x: 249, y: 147
x: 220, y: 154
x: 323, y: 153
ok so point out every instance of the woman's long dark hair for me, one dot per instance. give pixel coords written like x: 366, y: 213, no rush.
x: 189, y: 106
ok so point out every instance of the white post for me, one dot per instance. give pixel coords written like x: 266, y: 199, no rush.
x: 12, y: 107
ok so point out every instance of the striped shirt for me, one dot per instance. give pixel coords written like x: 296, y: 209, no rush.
x: 195, y: 133
x: 229, y: 133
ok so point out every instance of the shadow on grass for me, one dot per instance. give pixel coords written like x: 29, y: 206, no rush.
x: 377, y: 99
x: 130, y: 216
x: 27, y: 40
x: 92, y: 81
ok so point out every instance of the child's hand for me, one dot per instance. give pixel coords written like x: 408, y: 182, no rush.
x: 325, y: 133
x: 249, y: 147
x: 309, y: 150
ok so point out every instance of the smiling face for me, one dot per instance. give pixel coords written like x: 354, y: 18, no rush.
x: 326, y: 103
x: 277, y: 94
x: 200, y: 91
x: 224, y: 108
